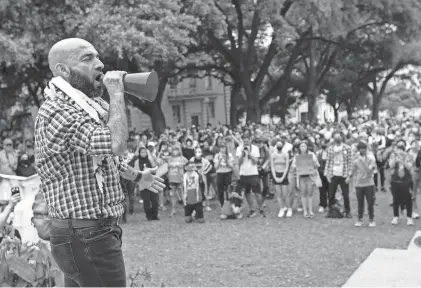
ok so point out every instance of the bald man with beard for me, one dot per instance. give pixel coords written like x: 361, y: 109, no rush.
x: 79, y: 141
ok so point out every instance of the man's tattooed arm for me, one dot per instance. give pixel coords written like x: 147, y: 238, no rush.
x: 117, y: 122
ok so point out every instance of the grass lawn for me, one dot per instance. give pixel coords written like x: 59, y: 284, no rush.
x: 259, y: 251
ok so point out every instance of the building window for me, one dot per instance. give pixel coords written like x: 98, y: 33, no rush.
x: 176, y: 113
x: 195, y: 120
x: 208, y: 83
x: 193, y: 82
x: 212, y: 109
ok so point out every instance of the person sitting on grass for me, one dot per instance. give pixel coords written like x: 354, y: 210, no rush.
x: 232, y: 209
x: 193, y: 194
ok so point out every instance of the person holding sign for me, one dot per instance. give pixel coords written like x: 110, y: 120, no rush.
x: 308, y: 178
x: 279, y: 162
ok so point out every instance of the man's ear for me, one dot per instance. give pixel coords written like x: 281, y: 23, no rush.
x: 62, y: 70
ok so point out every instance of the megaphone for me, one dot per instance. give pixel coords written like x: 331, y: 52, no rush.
x: 141, y: 85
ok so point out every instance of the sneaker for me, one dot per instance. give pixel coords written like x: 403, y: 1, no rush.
x: 372, y: 224
x: 359, y: 223
x: 310, y: 215
x: 141, y: 201
x: 395, y: 221
x: 252, y: 214
x: 415, y: 215
x: 410, y: 222
x: 321, y: 209
x: 262, y: 213
x: 282, y: 213
x: 348, y: 215
x: 289, y: 213
x: 299, y: 209
x: 264, y: 205
x: 208, y: 209
x: 240, y: 216
x: 306, y: 215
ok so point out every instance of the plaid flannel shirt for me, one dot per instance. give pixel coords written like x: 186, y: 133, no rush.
x: 347, y: 161
x: 66, y: 138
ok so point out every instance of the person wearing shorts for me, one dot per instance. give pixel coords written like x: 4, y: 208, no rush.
x: 279, y: 161
x: 248, y: 155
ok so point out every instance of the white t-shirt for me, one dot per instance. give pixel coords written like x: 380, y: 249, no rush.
x: 338, y: 161
x: 247, y: 168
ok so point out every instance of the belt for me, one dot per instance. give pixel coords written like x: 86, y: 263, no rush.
x: 85, y: 223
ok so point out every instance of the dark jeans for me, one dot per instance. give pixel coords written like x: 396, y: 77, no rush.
x: 265, y: 176
x: 380, y: 166
x: 223, y: 182
x: 90, y: 256
x: 333, y: 186
x: 401, y: 198
x: 324, y: 191
x: 362, y: 194
x: 150, y: 204
x: 198, y: 208
x: 130, y: 186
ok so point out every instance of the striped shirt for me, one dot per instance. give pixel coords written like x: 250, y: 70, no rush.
x: 66, y: 138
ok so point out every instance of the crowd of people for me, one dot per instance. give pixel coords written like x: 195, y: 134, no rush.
x: 290, y: 163
x: 257, y: 163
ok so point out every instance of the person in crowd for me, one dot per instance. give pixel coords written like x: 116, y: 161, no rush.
x: 176, y: 165
x: 279, y: 162
x: 401, y: 182
x: 224, y: 162
x: 8, y: 158
x: 307, y: 183
x: 208, y: 152
x: 26, y: 162
x: 339, y: 170
x: 248, y: 155
x: 79, y: 144
x: 264, y: 165
x: 324, y: 189
x: 193, y: 194
x: 130, y: 186
x: 188, y: 149
x: 203, y: 167
x: 150, y: 198
x: 415, y: 156
x: 7, y: 209
x: 363, y: 174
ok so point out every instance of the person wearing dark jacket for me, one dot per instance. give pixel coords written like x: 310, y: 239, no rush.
x: 150, y: 199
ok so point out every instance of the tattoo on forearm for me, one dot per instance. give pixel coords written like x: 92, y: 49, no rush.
x: 117, y: 122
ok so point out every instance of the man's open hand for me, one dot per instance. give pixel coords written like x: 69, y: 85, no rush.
x: 151, y: 182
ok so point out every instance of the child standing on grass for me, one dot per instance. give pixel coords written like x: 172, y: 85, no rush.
x: 193, y: 194
x: 363, y: 173
x: 176, y: 165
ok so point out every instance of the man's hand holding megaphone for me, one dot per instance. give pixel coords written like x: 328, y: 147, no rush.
x: 141, y: 85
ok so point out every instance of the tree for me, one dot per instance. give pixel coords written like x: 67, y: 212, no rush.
x: 400, y: 96
x: 155, y: 35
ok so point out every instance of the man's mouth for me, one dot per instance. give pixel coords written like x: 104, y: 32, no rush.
x: 98, y: 79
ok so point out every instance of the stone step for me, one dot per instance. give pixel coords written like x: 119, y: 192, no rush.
x: 388, y: 268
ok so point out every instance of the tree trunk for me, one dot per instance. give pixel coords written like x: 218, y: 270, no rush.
x: 336, y: 113
x: 349, y: 110
x: 235, y: 90
x: 312, y: 109
x: 157, y: 118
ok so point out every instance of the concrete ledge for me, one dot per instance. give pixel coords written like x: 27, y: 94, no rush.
x: 412, y: 246
x: 388, y: 268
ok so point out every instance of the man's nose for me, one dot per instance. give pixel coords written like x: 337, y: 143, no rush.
x: 99, y: 65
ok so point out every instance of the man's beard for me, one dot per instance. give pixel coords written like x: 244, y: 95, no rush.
x: 84, y: 84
